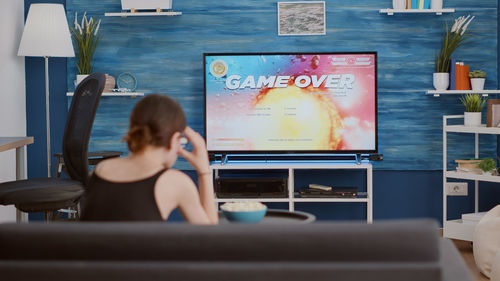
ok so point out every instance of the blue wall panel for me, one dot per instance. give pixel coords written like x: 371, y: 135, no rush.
x: 165, y: 54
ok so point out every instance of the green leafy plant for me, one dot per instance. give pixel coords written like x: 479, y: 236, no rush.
x: 477, y: 74
x: 487, y: 165
x: 473, y: 102
x: 452, y: 39
x: 86, y: 38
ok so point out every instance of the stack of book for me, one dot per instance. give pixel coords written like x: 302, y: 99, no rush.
x: 459, y: 75
x: 418, y: 4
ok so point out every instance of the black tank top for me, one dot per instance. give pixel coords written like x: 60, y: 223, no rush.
x: 121, y: 201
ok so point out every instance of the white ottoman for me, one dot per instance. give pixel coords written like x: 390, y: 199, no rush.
x: 487, y: 241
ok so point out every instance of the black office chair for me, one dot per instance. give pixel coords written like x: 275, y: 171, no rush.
x: 94, y: 158
x: 51, y: 194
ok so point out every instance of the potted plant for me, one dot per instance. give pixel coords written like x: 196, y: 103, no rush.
x: 452, y: 39
x: 488, y: 165
x: 477, y: 78
x: 473, y: 104
x: 86, y: 38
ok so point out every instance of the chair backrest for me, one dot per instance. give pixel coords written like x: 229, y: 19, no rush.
x: 79, y: 125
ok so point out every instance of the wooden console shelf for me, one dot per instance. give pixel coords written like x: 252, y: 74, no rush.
x: 292, y: 196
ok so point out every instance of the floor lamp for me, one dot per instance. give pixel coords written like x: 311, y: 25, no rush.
x: 46, y: 34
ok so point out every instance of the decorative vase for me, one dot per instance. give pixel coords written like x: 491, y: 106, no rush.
x: 441, y: 80
x: 399, y: 4
x: 110, y: 83
x: 477, y: 84
x: 472, y: 119
x: 436, y: 4
x: 79, y: 78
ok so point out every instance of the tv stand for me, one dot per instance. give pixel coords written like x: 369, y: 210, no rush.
x: 357, y: 158
x: 293, y: 197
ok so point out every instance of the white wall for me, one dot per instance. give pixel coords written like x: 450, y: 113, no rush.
x: 13, y: 92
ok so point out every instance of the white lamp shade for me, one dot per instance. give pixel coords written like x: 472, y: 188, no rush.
x: 46, y: 32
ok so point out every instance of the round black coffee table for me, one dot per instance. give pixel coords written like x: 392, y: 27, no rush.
x: 275, y: 216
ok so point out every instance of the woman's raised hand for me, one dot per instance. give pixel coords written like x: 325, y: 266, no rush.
x: 198, y: 158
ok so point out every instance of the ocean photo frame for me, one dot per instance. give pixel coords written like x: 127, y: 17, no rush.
x: 301, y: 18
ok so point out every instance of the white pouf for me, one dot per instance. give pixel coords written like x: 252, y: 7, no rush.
x: 487, y: 241
x: 495, y: 268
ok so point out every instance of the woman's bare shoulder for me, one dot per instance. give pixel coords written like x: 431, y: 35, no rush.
x: 174, y: 177
x: 111, y: 164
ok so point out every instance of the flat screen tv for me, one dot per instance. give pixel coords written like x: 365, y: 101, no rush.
x: 291, y: 103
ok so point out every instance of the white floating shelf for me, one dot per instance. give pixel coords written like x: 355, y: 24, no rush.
x: 438, y: 12
x: 471, y: 176
x: 139, y: 14
x: 485, y: 93
x: 115, y: 94
x: 473, y: 130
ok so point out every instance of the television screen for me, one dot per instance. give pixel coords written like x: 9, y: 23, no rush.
x: 291, y: 103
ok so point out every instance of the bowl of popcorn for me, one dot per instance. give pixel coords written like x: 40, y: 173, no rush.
x: 244, y: 212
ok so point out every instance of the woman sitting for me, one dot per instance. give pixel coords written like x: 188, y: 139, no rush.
x: 142, y: 186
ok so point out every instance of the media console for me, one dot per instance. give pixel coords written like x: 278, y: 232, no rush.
x: 291, y: 167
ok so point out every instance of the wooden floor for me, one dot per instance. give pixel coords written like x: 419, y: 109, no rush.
x: 465, y: 249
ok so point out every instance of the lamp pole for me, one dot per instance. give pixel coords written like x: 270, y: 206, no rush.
x: 47, y: 112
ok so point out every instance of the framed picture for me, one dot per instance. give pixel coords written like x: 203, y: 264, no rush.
x: 493, y: 113
x: 301, y: 18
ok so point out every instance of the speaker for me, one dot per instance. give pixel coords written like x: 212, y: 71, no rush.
x: 267, y: 187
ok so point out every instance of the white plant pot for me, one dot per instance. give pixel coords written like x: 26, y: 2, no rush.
x: 477, y: 84
x: 436, y: 4
x: 472, y: 119
x: 491, y: 173
x: 441, y: 80
x: 79, y: 78
x: 399, y: 4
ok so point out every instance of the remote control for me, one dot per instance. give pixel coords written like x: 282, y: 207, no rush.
x: 320, y: 187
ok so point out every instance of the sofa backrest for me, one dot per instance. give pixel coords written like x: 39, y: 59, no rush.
x: 403, y: 241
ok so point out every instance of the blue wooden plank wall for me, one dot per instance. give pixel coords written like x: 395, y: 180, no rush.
x: 165, y: 54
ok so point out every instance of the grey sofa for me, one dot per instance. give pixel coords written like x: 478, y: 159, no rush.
x: 408, y: 250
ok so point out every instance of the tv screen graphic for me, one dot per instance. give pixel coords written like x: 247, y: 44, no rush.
x: 283, y: 103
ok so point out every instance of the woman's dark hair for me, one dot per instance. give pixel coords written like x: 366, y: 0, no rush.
x: 153, y: 121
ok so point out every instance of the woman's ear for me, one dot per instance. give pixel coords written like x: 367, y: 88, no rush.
x: 175, y: 141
